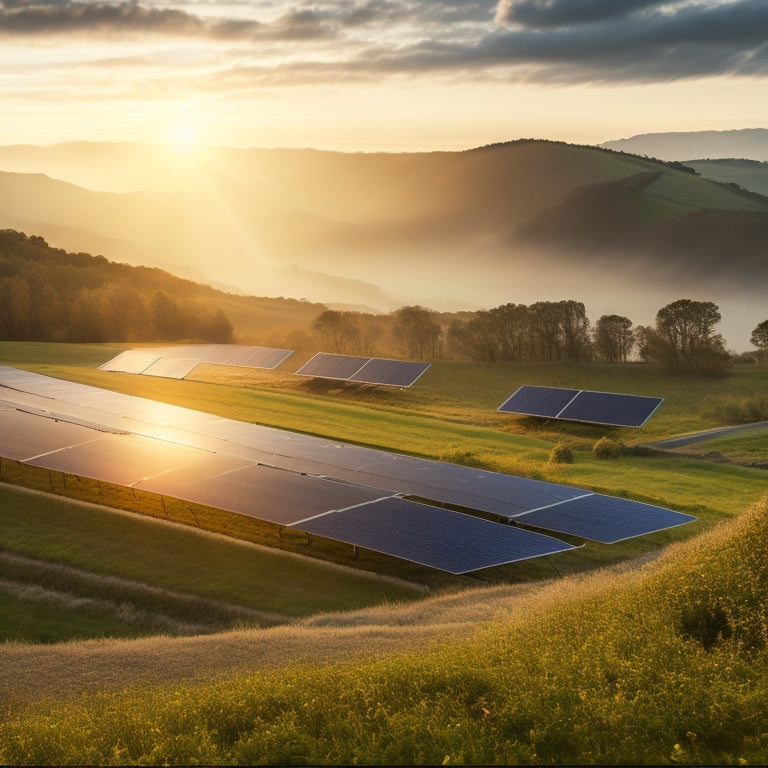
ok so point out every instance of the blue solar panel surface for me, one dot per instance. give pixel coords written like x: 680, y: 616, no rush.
x: 610, y: 408
x: 538, y: 401
x: 395, y: 373
x: 439, y: 538
x: 607, y: 408
x: 606, y: 519
x: 327, y: 366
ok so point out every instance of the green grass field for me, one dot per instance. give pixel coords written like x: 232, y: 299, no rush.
x: 660, y: 663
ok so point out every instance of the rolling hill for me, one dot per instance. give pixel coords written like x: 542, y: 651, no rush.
x: 522, y: 221
x: 751, y: 143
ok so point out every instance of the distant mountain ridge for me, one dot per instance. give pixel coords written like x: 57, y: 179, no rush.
x: 522, y: 221
x: 746, y: 143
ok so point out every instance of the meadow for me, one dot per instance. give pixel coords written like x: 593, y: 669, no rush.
x: 652, y: 650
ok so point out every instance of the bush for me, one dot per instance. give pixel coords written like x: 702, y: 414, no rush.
x: 561, y: 454
x: 608, y: 448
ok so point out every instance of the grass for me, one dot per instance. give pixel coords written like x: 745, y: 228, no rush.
x: 608, y: 671
x: 148, y: 553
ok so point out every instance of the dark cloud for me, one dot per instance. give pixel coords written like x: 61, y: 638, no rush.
x: 559, y: 13
x: 65, y: 17
x: 557, y: 41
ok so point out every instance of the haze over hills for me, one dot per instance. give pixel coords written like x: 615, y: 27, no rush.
x: 747, y: 143
x: 517, y: 222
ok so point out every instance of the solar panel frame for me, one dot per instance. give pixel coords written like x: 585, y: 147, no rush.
x: 393, y: 373
x: 438, y: 538
x: 325, y: 365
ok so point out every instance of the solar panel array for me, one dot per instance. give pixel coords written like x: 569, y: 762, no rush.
x: 364, y: 370
x: 349, y: 493
x: 179, y: 362
x: 608, y: 408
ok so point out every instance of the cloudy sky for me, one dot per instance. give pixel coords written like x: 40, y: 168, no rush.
x: 379, y: 74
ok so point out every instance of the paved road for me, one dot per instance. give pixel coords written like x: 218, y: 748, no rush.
x: 698, y: 437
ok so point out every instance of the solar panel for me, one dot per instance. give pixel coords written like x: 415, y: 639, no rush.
x: 73, y: 445
x: 171, y: 368
x: 131, y: 361
x: 260, y: 357
x: 267, y: 493
x: 396, y: 373
x: 609, y: 408
x: 538, y: 401
x: 119, y: 459
x: 327, y: 366
x: 606, y: 519
x: 612, y: 409
x: 24, y: 435
x: 439, y: 538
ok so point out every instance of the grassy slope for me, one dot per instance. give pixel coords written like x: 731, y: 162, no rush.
x: 662, y: 665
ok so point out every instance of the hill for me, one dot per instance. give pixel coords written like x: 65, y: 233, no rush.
x: 747, y: 174
x: 49, y: 294
x: 749, y: 143
x: 523, y: 221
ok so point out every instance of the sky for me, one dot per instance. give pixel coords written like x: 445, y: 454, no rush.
x: 378, y: 75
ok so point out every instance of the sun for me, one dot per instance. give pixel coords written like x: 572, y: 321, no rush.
x: 183, y: 136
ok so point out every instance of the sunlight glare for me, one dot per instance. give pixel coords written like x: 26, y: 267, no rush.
x: 183, y: 136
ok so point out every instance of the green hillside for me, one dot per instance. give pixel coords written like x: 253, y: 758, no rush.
x: 47, y: 294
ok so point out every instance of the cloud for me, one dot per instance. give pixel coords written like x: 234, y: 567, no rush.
x: 553, y: 41
x: 559, y: 13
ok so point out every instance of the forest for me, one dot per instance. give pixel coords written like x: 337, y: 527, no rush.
x: 47, y: 294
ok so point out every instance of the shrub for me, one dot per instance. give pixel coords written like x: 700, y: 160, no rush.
x: 561, y: 454
x: 608, y: 448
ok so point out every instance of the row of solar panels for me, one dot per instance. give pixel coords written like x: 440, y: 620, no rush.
x: 348, y: 493
x: 605, y: 408
x: 178, y: 362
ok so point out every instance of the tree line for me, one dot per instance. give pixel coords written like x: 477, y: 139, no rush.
x: 47, y: 294
x: 684, y: 337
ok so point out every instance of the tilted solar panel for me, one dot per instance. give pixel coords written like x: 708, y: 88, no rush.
x: 260, y: 357
x: 328, y: 366
x: 609, y: 408
x: 538, y: 401
x: 606, y: 519
x: 171, y: 368
x: 395, y: 373
x: 439, y: 538
x: 131, y: 361
x: 266, y: 493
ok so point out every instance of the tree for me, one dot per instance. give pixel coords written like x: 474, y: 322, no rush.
x: 613, y: 338
x: 684, y: 338
x: 338, y: 329
x: 759, y: 336
x: 417, y: 331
